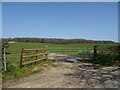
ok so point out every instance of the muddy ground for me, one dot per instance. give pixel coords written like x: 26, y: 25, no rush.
x: 69, y: 75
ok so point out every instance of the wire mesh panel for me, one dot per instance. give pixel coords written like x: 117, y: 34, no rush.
x: 79, y: 52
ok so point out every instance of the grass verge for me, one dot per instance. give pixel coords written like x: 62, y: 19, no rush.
x: 17, y: 72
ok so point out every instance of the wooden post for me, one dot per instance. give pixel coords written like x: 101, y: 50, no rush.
x: 70, y: 52
x: 21, y: 57
x: 36, y: 53
x: 119, y: 50
x: 95, y: 52
x: 4, y: 60
x: 46, y: 52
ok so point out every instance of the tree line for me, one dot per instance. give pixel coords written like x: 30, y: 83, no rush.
x: 53, y: 40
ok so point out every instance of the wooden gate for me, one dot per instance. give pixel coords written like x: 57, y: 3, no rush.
x: 35, y: 54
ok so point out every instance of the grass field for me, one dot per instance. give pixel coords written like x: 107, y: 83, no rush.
x: 13, y: 59
x: 16, y: 47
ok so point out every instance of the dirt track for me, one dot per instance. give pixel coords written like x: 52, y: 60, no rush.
x: 68, y: 75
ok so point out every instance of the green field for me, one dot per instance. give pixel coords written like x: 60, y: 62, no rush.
x: 14, y: 50
x: 16, y: 47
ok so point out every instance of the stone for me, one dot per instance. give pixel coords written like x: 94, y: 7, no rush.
x: 99, y: 86
x: 107, y: 76
x: 96, y: 77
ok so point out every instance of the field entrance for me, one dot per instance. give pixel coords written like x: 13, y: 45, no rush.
x: 82, y: 53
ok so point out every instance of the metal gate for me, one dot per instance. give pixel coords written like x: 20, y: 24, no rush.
x: 84, y: 53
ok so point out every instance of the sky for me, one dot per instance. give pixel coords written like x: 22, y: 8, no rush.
x: 69, y: 20
x: 0, y: 20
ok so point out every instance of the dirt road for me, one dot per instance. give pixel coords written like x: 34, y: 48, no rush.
x: 68, y: 75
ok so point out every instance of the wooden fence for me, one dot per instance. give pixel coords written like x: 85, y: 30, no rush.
x: 22, y: 56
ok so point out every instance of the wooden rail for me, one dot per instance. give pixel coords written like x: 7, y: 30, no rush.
x: 34, y: 55
x: 33, y: 49
x: 33, y: 61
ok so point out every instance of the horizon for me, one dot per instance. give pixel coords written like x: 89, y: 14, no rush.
x: 61, y: 38
x: 85, y: 20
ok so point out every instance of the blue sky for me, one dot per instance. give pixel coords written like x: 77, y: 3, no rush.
x: 0, y: 20
x: 88, y: 20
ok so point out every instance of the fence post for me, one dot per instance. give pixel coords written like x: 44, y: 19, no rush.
x: 70, y: 52
x: 21, y: 57
x: 95, y: 52
x: 46, y: 47
x: 36, y: 53
x: 4, y: 60
x: 119, y: 50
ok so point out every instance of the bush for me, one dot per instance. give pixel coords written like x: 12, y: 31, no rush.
x: 107, y: 55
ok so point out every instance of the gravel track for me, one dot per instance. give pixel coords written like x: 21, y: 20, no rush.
x: 68, y: 75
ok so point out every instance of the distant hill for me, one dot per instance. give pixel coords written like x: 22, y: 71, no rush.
x: 54, y: 40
